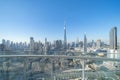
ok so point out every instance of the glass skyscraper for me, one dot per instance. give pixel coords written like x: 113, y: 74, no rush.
x: 65, y: 37
x: 85, y: 44
x: 113, y: 38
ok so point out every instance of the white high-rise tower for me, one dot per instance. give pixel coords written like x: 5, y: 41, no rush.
x: 45, y: 46
x: 31, y: 43
x: 85, y: 44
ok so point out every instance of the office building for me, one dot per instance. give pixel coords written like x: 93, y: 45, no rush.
x: 45, y: 46
x: 31, y: 43
x: 113, y: 38
x: 85, y: 44
x: 98, y: 43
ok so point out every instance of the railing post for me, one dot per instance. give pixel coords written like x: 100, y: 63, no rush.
x: 25, y: 69
x: 51, y: 68
x: 7, y: 73
x: 83, y: 69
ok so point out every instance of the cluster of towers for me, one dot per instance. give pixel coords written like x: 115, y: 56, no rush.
x: 58, y: 45
x: 8, y: 45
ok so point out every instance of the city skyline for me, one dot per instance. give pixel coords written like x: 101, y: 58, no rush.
x: 42, y: 19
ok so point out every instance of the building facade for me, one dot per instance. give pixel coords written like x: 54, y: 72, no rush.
x: 85, y: 44
x: 113, y: 38
x: 65, y: 38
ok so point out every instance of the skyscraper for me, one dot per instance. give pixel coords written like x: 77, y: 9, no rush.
x: 65, y: 37
x: 98, y: 43
x: 113, y: 38
x: 31, y: 43
x: 45, y: 46
x: 85, y: 44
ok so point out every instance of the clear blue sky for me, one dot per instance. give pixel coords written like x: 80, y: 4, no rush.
x: 20, y: 19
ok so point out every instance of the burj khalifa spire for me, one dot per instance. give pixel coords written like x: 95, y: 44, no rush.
x: 65, y: 37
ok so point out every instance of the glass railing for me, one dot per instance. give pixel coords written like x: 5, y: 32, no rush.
x: 58, y: 67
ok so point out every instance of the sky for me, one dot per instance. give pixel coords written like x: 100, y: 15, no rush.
x: 22, y: 19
